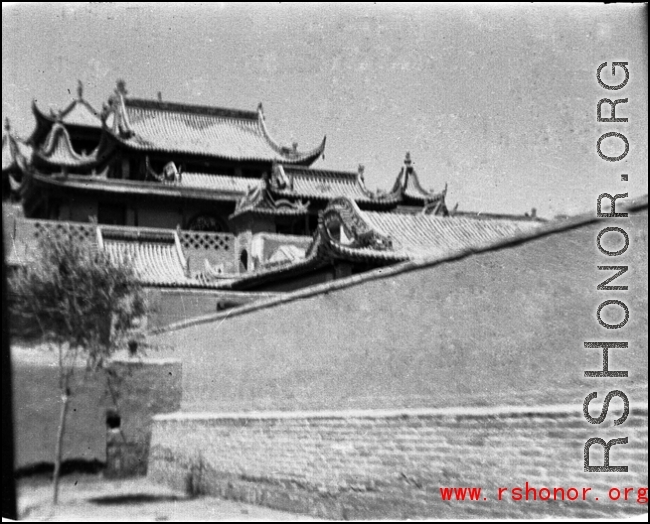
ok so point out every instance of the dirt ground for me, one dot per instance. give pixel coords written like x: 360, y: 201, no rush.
x: 93, y: 498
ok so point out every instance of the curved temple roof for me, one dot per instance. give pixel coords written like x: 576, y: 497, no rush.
x: 321, y: 184
x: 57, y: 150
x: 148, y: 125
x: 412, y: 189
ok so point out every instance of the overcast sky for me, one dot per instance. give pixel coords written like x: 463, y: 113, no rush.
x: 497, y: 101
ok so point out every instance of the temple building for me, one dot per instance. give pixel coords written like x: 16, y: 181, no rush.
x: 205, y: 198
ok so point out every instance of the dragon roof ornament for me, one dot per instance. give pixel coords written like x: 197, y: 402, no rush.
x: 121, y: 125
x: 344, y: 213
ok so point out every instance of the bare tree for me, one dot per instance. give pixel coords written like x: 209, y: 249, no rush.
x: 86, y: 305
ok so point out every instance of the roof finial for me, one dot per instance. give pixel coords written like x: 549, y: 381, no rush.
x: 407, y: 160
x: 7, y: 125
x: 80, y: 89
x: 361, y: 169
x: 121, y: 87
x: 103, y: 116
x: 159, y: 96
x: 294, y: 144
x: 260, y: 109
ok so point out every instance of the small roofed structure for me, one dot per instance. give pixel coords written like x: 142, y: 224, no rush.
x: 57, y: 153
x: 413, y: 193
x: 80, y: 118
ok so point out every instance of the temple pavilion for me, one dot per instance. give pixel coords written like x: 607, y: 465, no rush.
x: 205, y: 197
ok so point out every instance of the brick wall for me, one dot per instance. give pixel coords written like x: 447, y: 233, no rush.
x: 374, y: 464
x: 175, y: 305
x: 498, y: 330
x: 500, y: 327
x: 139, y: 389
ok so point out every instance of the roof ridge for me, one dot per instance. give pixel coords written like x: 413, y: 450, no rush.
x: 193, y: 109
x: 326, y: 172
x: 137, y: 234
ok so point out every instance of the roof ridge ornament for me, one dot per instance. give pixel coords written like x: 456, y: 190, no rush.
x: 7, y: 125
x: 170, y: 173
x: 279, y: 178
x: 121, y: 124
x: 120, y: 87
x: 80, y: 90
x: 344, y: 212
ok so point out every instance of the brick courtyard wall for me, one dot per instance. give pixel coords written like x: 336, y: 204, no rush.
x: 139, y: 389
x: 496, y: 331
x: 378, y: 465
x: 501, y: 327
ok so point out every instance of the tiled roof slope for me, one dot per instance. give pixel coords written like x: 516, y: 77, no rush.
x: 222, y: 183
x: 395, y: 236
x: 155, y: 256
x: 323, y: 184
x: 148, y: 125
x: 385, y: 238
x: 415, y: 236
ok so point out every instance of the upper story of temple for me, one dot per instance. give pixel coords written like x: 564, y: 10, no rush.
x: 152, y: 163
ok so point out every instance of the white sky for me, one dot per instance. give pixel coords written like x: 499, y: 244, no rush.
x: 497, y: 101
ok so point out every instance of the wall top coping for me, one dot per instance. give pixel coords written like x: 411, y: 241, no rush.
x: 639, y: 409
